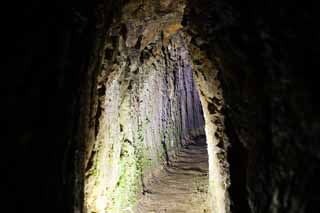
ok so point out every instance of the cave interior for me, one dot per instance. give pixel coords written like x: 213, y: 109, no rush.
x: 102, y: 97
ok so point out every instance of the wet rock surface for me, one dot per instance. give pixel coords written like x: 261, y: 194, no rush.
x: 180, y: 186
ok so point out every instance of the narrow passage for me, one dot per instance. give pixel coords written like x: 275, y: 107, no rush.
x: 181, y: 186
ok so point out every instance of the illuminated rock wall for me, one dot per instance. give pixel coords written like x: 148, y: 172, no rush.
x: 149, y: 107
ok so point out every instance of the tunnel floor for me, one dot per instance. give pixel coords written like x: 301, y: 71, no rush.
x: 181, y: 186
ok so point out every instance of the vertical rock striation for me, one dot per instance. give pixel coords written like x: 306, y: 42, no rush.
x: 148, y: 106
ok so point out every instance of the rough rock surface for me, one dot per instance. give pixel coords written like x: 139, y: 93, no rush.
x: 255, y: 61
x: 148, y: 106
x: 264, y: 56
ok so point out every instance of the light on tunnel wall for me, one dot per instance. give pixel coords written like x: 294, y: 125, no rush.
x: 101, y: 204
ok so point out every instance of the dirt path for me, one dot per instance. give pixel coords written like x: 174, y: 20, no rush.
x: 182, y: 186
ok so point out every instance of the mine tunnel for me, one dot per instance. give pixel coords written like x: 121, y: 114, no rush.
x: 144, y: 106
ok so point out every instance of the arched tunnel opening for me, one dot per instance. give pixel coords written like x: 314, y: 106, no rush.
x: 161, y: 106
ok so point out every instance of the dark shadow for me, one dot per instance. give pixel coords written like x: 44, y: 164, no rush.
x: 166, y: 152
x: 238, y: 161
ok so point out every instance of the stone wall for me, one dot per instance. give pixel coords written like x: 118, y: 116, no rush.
x: 264, y: 53
x: 51, y: 61
x: 149, y: 106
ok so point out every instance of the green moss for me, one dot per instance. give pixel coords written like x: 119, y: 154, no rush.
x: 133, y: 162
x: 128, y: 185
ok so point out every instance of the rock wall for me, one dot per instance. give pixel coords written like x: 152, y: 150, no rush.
x: 253, y: 62
x: 51, y: 62
x: 149, y: 106
x: 264, y: 53
x: 211, y: 95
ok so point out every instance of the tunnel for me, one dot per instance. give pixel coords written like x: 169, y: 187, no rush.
x: 144, y: 106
